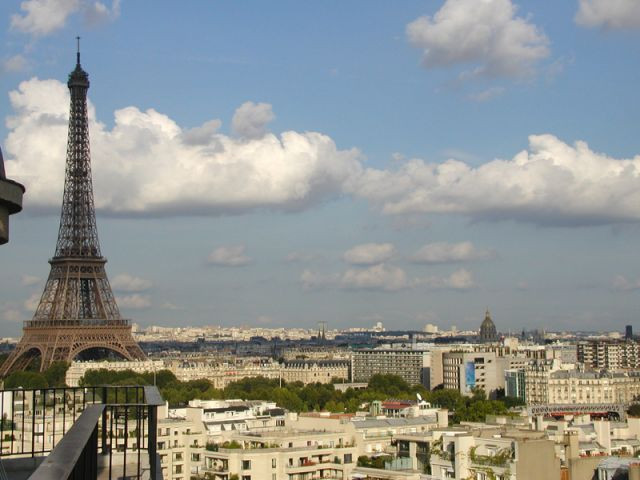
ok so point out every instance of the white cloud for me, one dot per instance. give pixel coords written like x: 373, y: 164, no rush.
x: 147, y: 165
x: 553, y: 183
x: 483, y: 34
x: 442, y: 252
x: 250, y: 120
x: 313, y: 280
x: 29, y: 280
x: 43, y: 17
x: 376, y: 277
x: 229, y: 256
x: 128, y: 283
x: 17, y: 63
x: 369, y: 253
x: 621, y: 283
x: 609, y: 14
x: 134, y: 301
x: 31, y: 303
x: 96, y: 13
x: 383, y: 277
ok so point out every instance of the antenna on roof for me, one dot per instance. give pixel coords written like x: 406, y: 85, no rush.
x: 78, y: 54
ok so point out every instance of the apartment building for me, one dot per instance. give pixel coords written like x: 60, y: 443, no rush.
x: 609, y: 354
x: 224, y: 418
x: 315, y: 371
x: 466, y: 371
x: 412, y: 365
x: 291, y: 455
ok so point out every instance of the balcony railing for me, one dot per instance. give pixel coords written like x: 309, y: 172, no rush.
x: 81, y: 431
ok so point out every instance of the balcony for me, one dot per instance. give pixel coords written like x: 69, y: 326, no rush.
x: 106, y: 432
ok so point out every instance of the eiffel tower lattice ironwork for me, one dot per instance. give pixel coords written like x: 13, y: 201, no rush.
x: 77, y: 311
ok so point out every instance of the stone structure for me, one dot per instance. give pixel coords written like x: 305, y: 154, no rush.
x: 10, y: 201
x: 77, y: 314
x: 488, y: 331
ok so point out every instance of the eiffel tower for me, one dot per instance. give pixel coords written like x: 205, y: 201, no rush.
x: 77, y: 312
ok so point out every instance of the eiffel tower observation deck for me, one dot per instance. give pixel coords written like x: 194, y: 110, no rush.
x: 77, y: 315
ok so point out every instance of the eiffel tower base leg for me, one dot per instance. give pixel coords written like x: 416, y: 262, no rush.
x: 66, y: 343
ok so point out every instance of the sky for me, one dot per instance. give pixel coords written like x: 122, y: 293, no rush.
x: 283, y: 163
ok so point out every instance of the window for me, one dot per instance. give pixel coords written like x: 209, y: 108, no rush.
x: 177, y: 456
x: 273, y: 463
x: 246, y: 464
x: 177, y: 469
x: 246, y: 477
x: 195, y: 457
x: 347, y: 458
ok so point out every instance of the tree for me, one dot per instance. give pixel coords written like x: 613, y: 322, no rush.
x: 26, y: 380
x: 56, y: 374
x: 634, y: 410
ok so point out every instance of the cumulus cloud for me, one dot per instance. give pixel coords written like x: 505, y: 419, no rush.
x: 609, y: 14
x: 250, y: 120
x: 383, y: 277
x: 376, y: 277
x: 459, y: 280
x: 229, y: 256
x: 369, y: 253
x: 147, y: 165
x: 484, y: 35
x: 442, y: 252
x: 96, y: 13
x: 551, y: 183
x: 134, y: 301
x: 43, y: 17
x: 128, y: 283
x: 621, y: 283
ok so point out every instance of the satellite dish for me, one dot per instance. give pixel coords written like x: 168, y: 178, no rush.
x: 419, y: 397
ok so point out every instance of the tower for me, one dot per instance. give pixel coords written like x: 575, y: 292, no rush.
x: 77, y: 311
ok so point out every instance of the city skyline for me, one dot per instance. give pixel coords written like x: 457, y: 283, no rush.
x: 344, y: 163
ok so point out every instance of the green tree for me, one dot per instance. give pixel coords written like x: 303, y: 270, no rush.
x: 26, y: 380
x: 56, y: 374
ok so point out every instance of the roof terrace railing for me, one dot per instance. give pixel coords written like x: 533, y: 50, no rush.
x: 111, y: 429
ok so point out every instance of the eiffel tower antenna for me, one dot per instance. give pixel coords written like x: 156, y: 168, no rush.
x: 77, y: 312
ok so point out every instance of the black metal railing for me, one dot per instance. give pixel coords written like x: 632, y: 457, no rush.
x: 34, y: 423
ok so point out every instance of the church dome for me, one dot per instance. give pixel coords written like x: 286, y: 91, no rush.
x: 488, y: 331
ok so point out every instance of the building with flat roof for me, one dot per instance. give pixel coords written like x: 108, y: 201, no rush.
x: 412, y: 365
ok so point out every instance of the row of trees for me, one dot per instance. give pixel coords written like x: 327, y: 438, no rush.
x: 300, y: 398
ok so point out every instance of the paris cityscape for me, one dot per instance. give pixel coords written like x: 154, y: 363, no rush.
x: 320, y: 240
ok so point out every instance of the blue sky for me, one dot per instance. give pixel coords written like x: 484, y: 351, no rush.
x: 284, y: 163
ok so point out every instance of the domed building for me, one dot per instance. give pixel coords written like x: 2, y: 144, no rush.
x: 488, y: 331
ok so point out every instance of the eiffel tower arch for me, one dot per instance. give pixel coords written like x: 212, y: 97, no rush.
x: 77, y: 311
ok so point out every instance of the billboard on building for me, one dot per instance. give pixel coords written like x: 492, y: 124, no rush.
x: 469, y: 376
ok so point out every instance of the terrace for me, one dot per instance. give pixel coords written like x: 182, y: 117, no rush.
x: 106, y: 432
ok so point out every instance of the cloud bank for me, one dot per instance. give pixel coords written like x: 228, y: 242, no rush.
x: 146, y: 165
x: 551, y: 183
